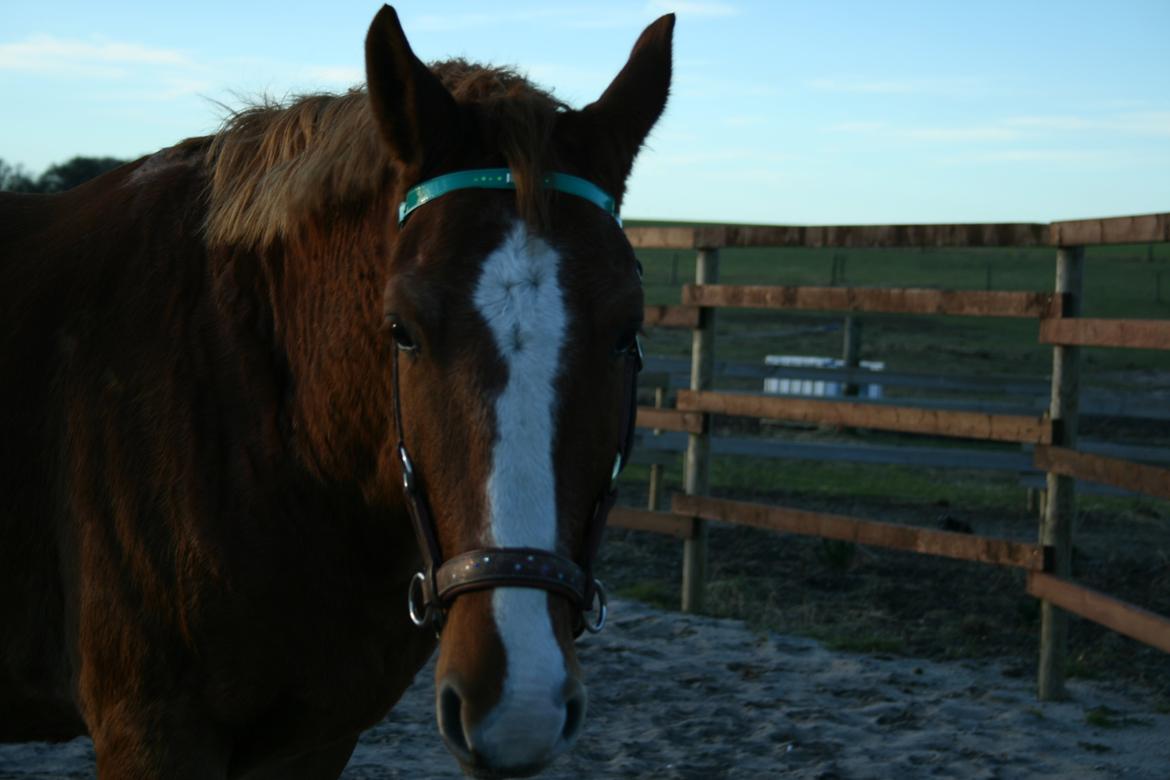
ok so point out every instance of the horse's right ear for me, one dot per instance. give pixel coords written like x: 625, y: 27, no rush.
x: 414, y: 110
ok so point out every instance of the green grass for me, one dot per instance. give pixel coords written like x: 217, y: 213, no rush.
x: 850, y: 481
x: 1108, y: 718
x: 988, y: 491
x: 1120, y: 282
x: 653, y: 592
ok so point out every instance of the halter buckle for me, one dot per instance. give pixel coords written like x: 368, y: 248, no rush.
x: 599, y: 596
x: 407, y: 469
x: 422, y: 611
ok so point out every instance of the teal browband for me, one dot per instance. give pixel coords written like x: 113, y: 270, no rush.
x: 501, y: 179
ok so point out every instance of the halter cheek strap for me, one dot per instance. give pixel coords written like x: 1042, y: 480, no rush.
x: 438, y: 584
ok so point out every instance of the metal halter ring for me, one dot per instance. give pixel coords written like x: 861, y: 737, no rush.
x: 602, y: 609
x: 421, y: 613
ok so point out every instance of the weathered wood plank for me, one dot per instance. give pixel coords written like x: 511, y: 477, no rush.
x: 872, y: 236
x: 670, y: 419
x: 1134, y: 334
x: 661, y: 237
x: 927, y: 541
x: 853, y: 414
x: 679, y: 526
x: 1120, y: 616
x: 1138, y: 229
x: 1056, y: 519
x: 697, y: 461
x: 893, y: 300
x: 1125, y: 474
x: 679, y: 317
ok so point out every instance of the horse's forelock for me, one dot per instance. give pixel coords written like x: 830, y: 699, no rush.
x: 272, y: 166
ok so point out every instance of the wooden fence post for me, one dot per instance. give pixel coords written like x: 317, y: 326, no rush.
x: 1060, y: 504
x: 696, y: 467
x: 851, y: 352
x: 655, y: 490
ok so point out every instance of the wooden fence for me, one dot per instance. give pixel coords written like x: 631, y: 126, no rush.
x: 1053, y: 433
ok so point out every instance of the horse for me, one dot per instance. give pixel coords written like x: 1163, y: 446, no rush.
x: 287, y: 407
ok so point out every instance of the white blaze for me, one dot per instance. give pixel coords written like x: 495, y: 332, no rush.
x: 519, y: 296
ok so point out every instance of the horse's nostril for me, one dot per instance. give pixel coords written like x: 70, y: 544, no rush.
x: 574, y: 713
x: 451, y: 721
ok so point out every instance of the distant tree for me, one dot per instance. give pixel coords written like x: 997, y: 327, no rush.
x: 57, y: 178
x: 13, y: 178
x: 67, y: 175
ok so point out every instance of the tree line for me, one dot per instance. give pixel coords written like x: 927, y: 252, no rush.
x: 56, y: 178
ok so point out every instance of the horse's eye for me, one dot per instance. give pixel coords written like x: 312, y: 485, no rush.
x: 401, y: 334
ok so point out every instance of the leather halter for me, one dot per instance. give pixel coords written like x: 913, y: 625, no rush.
x: 433, y: 589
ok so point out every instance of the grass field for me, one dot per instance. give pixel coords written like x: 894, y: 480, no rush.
x: 880, y: 601
x: 1120, y: 281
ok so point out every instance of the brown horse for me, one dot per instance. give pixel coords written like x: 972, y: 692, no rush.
x: 219, y: 364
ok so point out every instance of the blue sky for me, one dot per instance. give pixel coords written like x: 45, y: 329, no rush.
x: 782, y: 112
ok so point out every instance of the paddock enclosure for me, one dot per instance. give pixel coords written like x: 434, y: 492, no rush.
x: 1047, y: 439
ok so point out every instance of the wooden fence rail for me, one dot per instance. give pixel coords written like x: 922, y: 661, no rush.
x: 1135, y: 334
x: 1135, y: 622
x: 1054, y: 433
x: 656, y: 522
x: 1125, y: 474
x: 966, y: 303
x: 1143, y: 229
x: 928, y: 541
x: 670, y: 420
x: 856, y: 414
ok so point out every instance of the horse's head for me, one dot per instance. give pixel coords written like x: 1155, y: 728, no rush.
x: 515, y: 313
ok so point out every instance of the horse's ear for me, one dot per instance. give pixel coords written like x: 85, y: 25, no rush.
x: 414, y: 110
x: 629, y: 107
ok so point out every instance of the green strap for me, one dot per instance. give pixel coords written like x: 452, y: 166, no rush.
x: 501, y: 179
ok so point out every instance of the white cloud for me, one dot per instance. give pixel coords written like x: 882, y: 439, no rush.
x: 1016, y: 128
x: 952, y: 87
x: 859, y: 127
x: 720, y: 157
x: 969, y: 133
x: 954, y: 133
x: 1050, y: 122
x: 1044, y: 155
x: 138, y: 72
x: 109, y: 59
x: 1156, y: 123
x: 863, y: 86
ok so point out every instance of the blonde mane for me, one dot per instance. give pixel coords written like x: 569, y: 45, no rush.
x: 270, y: 165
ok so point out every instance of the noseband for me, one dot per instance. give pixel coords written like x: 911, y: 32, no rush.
x: 441, y: 581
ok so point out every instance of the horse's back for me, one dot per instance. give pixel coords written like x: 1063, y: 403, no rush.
x: 66, y: 263
x: 34, y: 668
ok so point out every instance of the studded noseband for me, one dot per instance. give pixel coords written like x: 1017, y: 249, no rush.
x: 433, y: 589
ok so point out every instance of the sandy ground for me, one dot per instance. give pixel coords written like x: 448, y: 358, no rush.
x: 674, y: 696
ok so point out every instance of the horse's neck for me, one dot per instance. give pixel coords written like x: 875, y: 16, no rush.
x: 326, y: 293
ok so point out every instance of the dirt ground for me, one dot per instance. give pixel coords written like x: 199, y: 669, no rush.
x: 882, y: 601
x: 696, y: 698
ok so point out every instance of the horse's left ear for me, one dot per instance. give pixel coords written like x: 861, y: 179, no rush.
x: 624, y: 114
